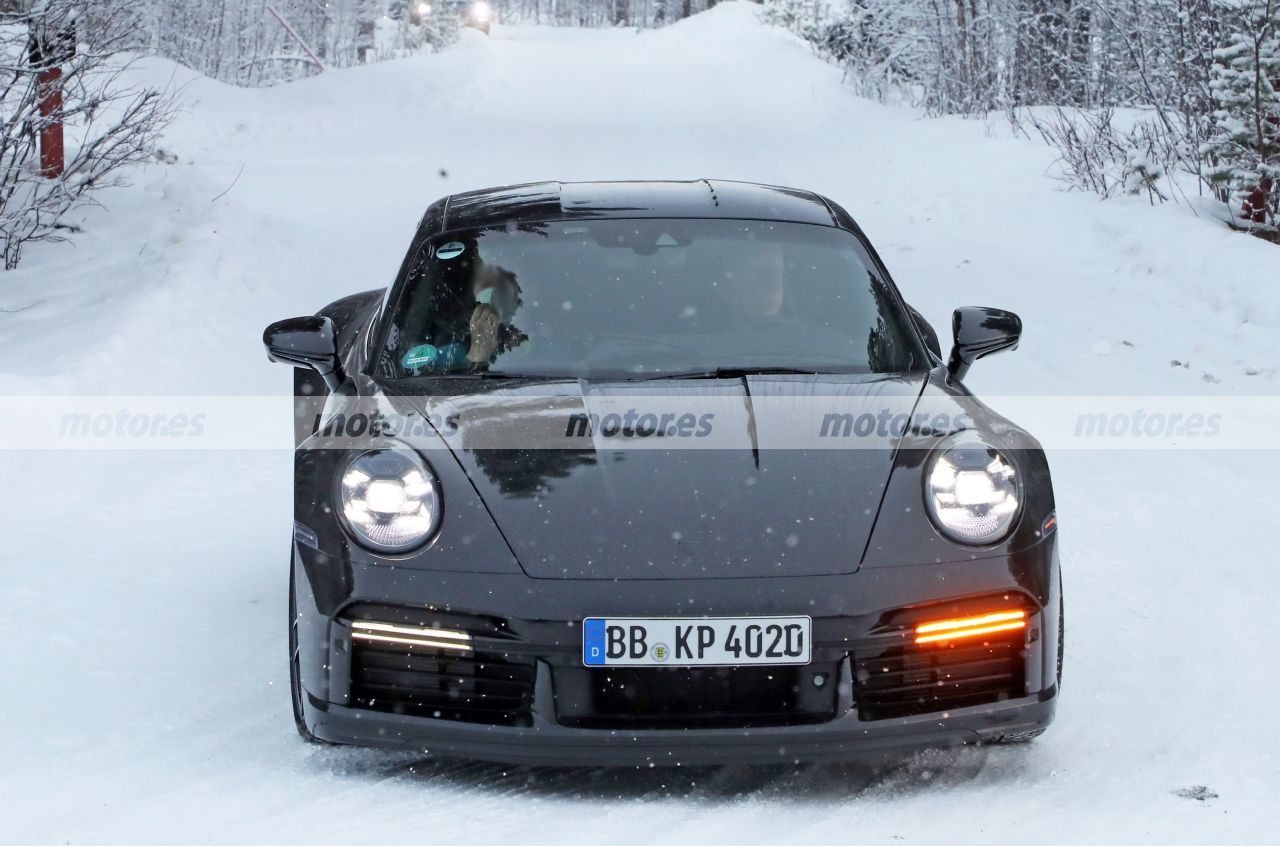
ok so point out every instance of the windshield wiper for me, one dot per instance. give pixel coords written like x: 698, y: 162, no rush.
x: 483, y: 374
x: 734, y: 373
x: 528, y: 377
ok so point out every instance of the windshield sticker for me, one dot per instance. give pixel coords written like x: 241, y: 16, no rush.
x: 420, y: 356
x: 451, y: 250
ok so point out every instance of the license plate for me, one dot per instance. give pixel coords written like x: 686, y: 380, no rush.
x: 695, y: 642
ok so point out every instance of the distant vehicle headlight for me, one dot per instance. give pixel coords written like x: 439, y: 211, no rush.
x: 972, y: 491
x: 389, y: 499
x: 480, y: 10
x: 424, y: 9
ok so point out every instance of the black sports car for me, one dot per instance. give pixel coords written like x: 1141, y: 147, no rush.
x: 657, y: 473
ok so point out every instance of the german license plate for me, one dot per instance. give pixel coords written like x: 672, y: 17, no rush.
x: 695, y: 642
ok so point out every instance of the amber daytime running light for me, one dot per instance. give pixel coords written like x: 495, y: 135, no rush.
x: 963, y: 627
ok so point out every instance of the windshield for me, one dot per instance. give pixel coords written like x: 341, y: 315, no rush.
x: 644, y: 299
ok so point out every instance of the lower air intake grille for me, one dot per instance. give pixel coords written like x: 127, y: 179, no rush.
x: 471, y: 686
x: 903, y: 681
x: 713, y: 697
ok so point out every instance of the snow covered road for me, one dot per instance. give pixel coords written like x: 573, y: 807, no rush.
x: 144, y: 674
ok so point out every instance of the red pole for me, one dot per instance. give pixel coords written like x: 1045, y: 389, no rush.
x: 1257, y: 201
x: 52, y: 151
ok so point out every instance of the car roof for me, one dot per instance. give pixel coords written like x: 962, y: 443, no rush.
x: 701, y: 198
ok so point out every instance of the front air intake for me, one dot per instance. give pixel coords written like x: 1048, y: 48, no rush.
x: 447, y: 674
x: 906, y: 680
x: 703, y: 697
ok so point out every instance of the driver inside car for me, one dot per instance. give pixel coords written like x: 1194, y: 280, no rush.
x: 477, y: 329
x: 755, y: 287
x: 497, y: 298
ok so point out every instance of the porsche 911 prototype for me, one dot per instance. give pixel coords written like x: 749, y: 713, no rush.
x: 651, y: 473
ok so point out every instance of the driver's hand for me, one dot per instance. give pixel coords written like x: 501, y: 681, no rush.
x: 484, y: 334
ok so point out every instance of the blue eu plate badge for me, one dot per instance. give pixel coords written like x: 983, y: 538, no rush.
x: 593, y: 642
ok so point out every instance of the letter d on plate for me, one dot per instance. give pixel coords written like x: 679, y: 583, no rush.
x: 593, y: 641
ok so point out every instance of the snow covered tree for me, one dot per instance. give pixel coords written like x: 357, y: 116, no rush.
x: 263, y: 42
x: 883, y: 47
x: 1246, y: 88
x: 1052, y: 50
x: 366, y: 28
x: 64, y: 64
x: 1193, y: 109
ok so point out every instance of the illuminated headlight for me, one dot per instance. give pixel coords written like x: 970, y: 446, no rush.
x: 389, y: 499
x: 972, y: 491
x: 424, y: 9
x: 480, y: 10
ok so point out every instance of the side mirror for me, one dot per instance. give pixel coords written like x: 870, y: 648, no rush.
x: 306, y: 342
x: 980, y: 332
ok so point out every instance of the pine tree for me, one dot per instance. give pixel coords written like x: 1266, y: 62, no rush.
x: 366, y: 27
x: 1245, y: 81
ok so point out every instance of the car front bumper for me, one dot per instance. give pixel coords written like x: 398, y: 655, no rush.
x: 546, y: 743
x: 853, y: 617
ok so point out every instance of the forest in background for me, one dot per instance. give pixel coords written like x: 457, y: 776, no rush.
x: 1197, y: 82
x: 1166, y: 99
x: 1134, y: 94
x: 246, y: 42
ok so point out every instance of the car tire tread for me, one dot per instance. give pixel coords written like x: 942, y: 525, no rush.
x: 295, y: 676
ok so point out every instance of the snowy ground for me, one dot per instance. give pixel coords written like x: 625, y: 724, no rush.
x: 145, y: 683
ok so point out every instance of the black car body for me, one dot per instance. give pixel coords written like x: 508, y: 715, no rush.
x: 471, y: 642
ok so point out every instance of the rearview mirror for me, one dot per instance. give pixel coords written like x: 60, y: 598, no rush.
x: 306, y: 342
x: 980, y: 332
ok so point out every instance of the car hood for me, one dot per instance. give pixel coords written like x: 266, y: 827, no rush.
x: 740, y: 501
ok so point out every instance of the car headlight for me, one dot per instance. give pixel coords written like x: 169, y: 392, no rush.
x: 480, y: 10
x: 972, y: 491
x: 389, y: 499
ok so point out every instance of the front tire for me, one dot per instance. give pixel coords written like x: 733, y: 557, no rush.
x: 1027, y: 737
x: 1062, y: 633
x: 295, y: 669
